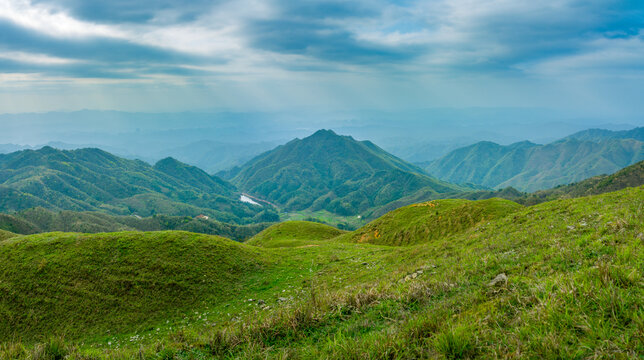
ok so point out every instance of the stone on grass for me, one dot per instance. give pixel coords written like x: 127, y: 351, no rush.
x: 499, y: 280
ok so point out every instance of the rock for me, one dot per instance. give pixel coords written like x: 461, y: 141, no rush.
x: 281, y: 299
x: 499, y: 280
x: 261, y: 302
x: 570, y: 227
x: 414, y: 275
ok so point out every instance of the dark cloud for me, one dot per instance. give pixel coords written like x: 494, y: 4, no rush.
x: 97, y: 57
x: 329, y: 43
x: 327, y: 9
x: 492, y: 37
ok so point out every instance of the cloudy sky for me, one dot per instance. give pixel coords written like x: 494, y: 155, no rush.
x: 174, y: 55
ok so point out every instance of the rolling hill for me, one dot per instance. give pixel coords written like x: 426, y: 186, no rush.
x: 530, y: 167
x: 40, y: 220
x: 6, y: 235
x: 630, y: 176
x: 428, y: 221
x: 294, y: 233
x: 119, y: 281
x: 94, y: 180
x: 326, y: 171
x: 562, y: 279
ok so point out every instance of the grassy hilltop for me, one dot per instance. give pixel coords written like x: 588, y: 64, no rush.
x: 294, y: 233
x: 561, y: 279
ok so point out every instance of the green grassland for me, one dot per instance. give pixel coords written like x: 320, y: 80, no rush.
x: 294, y: 233
x: 571, y: 288
x: 6, y: 235
x: 430, y: 220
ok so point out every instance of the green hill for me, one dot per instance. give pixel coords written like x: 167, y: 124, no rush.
x: 114, y: 282
x: 94, y: 180
x: 39, y: 220
x: 294, y: 233
x: 428, y: 221
x: 336, y: 173
x: 631, y: 176
x: 530, y: 167
x: 6, y: 235
x: 561, y: 279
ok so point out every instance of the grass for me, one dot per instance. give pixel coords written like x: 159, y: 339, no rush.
x: 6, y: 235
x: 574, y: 291
x: 80, y: 284
x: 326, y: 217
x: 431, y: 220
x: 294, y: 233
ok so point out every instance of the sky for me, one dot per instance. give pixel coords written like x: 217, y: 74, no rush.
x: 583, y: 57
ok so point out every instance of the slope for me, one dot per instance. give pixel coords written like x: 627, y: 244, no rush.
x: 429, y: 221
x: 92, y: 179
x: 530, y: 167
x: 117, y: 282
x: 562, y: 279
x: 4, y: 235
x: 326, y: 171
x: 294, y: 233
x: 39, y: 220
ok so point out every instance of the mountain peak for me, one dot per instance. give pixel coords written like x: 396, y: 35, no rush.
x: 323, y: 133
x: 337, y: 173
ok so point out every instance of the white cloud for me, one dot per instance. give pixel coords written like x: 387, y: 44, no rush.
x: 51, y: 21
x: 599, y: 57
x: 32, y: 58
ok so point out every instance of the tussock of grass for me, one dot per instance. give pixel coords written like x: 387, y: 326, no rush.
x: 294, y: 233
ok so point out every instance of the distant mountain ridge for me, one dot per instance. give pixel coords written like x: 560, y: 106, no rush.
x: 95, y: 180
x: 602, y: 134
x: 529, y: 167
x: 326, y: 171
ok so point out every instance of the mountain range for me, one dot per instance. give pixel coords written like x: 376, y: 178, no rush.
x: 95, y: 180
x: 323, y: 172
x: 529, y: 167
